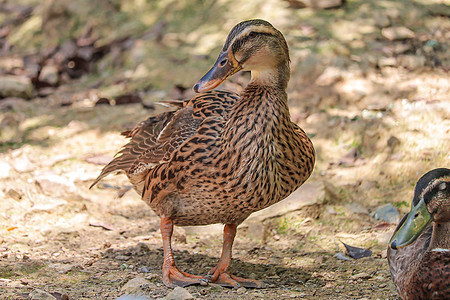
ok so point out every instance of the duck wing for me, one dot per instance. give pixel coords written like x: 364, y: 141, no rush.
x: 154, y: 140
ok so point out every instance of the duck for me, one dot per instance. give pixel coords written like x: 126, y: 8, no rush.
x: 220, y: 156
x: 419, y: 250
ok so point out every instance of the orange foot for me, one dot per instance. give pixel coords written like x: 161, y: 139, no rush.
x: 220, y: 274
x: 225, y: 279
x: 173, y: 277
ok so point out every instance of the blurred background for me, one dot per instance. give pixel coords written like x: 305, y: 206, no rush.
x: 369, y: 84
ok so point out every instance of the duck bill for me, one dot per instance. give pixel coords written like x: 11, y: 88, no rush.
x: 417, y: 220
x: 218, y: 73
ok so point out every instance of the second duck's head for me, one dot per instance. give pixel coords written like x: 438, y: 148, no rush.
x: 253, y: 45
x: 431, y: 203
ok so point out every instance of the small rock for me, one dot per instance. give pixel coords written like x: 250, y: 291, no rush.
x: 341, y: 256
x: 381, y: 20
x: 411, y: 62
x: 5, y: 169
x: 136, y: 286
x: 397, y: 33
x: 49, y: 74
x: 15, y: 86
x: 361, y: 276
x: 357, y: 208
x: 143, y: 269
x: 179, y: 293
x: 132, y: 297
x: 122, y: 257
x: 241, y: 290
x: 387, y: 213
x: 387, y: 61
x: 52, y: 184
x: 38, y: 294
x: 23, y: 164
x: 383, y: 285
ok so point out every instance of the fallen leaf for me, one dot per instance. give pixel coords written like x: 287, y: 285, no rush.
x: 356, y: 252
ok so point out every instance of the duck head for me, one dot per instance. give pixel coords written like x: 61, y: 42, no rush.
x: 431, y: 203
x: 253, y: 45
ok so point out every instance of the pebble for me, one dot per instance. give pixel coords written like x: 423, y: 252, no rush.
x: 15, y: 86
x: 362, y: 275
x: 397, y: 33
x: 137, y: 286
x: 6, y: 168
x: 241, y: 290
x: 38, y: 294
x: 49, y: 74
x: 122, y: 257
x: 144, y: 269
x: 179, y: 293
x: 387, y: 213
x: 341, y: 256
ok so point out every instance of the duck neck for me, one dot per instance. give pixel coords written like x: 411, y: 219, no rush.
x: 258, y: 118
x: 277, y: 77
x: 261, y: 105
x: 440, y: 238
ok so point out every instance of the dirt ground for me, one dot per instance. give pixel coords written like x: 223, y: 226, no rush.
x: 373, y: 98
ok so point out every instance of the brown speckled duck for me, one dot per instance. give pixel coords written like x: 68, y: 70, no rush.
x: 419, y: 252
x: 221, y: 156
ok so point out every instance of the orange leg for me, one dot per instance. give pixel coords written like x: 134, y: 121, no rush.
x: 172, y: 276
x: 220, y: 274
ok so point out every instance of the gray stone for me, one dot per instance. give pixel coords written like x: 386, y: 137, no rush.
x: 179, y: 293
x: 53, y: 184
x: 387, y: 213
x: 49, y: 74
x: 38, y: 294
x: 357, y: 208
x: 411, y: 62
x: 143, y: 269
x: 341, y: 256
x: 137, y: 286
x: 397, y: 33
x: 132, y: 297
x: 381, y: 20
x: 362, y: 275
x: 5, y: 169
x: 22, y: 164
x: 15, y: 86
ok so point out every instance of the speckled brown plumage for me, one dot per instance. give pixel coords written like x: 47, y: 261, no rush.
x: 222, y: 156
x: 421, y: 270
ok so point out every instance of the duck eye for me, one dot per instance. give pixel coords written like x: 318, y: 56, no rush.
x: 252, y: 34
x: 223, y: 62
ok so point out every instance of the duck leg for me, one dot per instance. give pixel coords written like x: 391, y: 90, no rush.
x: 172, y: 276
x: 220, y: 274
